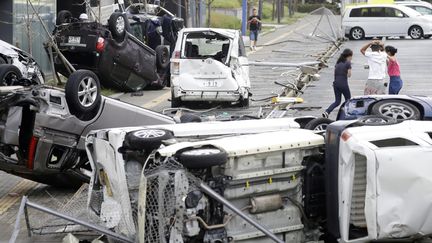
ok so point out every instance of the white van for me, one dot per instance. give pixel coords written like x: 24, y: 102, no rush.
x: 424, y: 8
x: 209, y: 64
x: 385, y: 20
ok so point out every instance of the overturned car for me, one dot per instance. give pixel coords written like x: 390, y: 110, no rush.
x: 43, y: 129
x: 279, y: 184
x: 130, y: 52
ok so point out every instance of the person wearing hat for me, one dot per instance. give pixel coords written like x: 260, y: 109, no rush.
x: 377, y: 62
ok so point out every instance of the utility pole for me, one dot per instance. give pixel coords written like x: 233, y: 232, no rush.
x: 260, y: 8
x: 279, y: 3
x: 244, y: 16
x: 179, y: 10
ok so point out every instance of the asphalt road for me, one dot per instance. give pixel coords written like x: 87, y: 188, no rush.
x: 287, y: 44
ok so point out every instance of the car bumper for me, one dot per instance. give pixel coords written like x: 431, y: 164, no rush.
x: 221, y: 96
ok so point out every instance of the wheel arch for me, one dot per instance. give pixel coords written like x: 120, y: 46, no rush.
x: 415, y: 25
x: 413, y: 102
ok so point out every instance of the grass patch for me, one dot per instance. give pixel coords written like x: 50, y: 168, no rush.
x: 226, y: 4
x: 219, y: 20
x: 286, y: 20
x: 108, y: 92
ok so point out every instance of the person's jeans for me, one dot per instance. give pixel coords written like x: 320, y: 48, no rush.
x: 253, y: 35
x: 339, y: 91
x: 395, y: 84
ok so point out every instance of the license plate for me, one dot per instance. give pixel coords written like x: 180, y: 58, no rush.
x: 74, y: 39
x: 211, y: 83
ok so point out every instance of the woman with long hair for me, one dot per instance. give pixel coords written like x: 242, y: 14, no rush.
x: 393, y: 70
x: 340, y: 83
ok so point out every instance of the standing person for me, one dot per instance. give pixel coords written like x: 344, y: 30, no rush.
x: 377, y: 60
x: 340, y: 85
x: 254, y: 23
x: 393, y: 67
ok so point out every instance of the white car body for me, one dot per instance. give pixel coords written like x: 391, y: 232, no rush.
x: 384, y: 180
x: 200, y: 76
x: 22, y: 60
x: 384, y: 20
x: 424, y: 8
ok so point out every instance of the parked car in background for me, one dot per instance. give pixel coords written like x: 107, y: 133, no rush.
x: 209, y: 65
x: 43, y: 129
x: 424, y: 8
x: 374, y: 20
x: 16, y: 64
x: 397, y: 107
x: 131, y: 53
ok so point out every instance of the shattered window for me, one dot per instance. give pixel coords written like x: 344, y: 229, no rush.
x: 206, y: 45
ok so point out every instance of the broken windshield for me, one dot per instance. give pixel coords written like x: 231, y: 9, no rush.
x: 207, y: 45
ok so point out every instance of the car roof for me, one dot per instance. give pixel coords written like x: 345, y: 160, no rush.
x: 225, y: 32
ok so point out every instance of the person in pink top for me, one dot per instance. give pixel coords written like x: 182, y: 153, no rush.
x: 393, y: 70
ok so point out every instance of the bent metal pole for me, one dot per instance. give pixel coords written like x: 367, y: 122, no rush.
x: 222, y: 200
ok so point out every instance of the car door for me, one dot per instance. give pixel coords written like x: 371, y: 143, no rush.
x: 375, y: 22
x: 396, y: 22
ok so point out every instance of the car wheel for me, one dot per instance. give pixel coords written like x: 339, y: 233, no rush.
x: 318, y: 124
x: 200, y: 158
x: 187, y: 118
x: 147, y: 139
x: 162, y: 57
x: 396, y: 109
x: 376, y: 120
x: 2, y: 60
x: 117, y: 24
x: 175, y: 102
x: 427, y: 36
x: 9, y: 75
x: 83, y: 94
x: 63, y: 17
x: 415, y: 32
x: 357, y: 33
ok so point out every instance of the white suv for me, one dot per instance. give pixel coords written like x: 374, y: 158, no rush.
x: 385, y: 20
x: 209, y: 65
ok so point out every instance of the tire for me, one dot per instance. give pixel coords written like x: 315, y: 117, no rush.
x: 175, y: 102
x: 63, y: 17
x: 318, y: 124
x: 118, y: 24
x: 376, y: 120
x: 202, y: 158
x: 9, y: 74
x: 427, y: 36
x: 415, y: 32
x: 396, y: 109
x: 147, y: 139
x: 162, y: 57
x: 357, y: 33
x: 187, y: 118
x: 83, y: 94
x: 2, y: 60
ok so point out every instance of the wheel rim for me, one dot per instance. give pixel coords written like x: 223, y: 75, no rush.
x: 197, y: 152
x: 415, y: 33
x: 397, y: 111
x: 357, y: 34
x: 321, y: 127
x: 10, y: 78
x: 87, y: 91
x: 149, y: 133
x: 120, y: 24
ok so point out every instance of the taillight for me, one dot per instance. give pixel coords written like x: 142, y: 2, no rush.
x: 100, y: 45
x: 176, y: 55
x: 31, y: 152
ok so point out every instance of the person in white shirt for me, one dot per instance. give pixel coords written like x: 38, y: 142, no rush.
x: 377, y: 61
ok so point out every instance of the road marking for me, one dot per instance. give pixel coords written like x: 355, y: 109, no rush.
x: 156, y: 101
x: 14, y: 195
